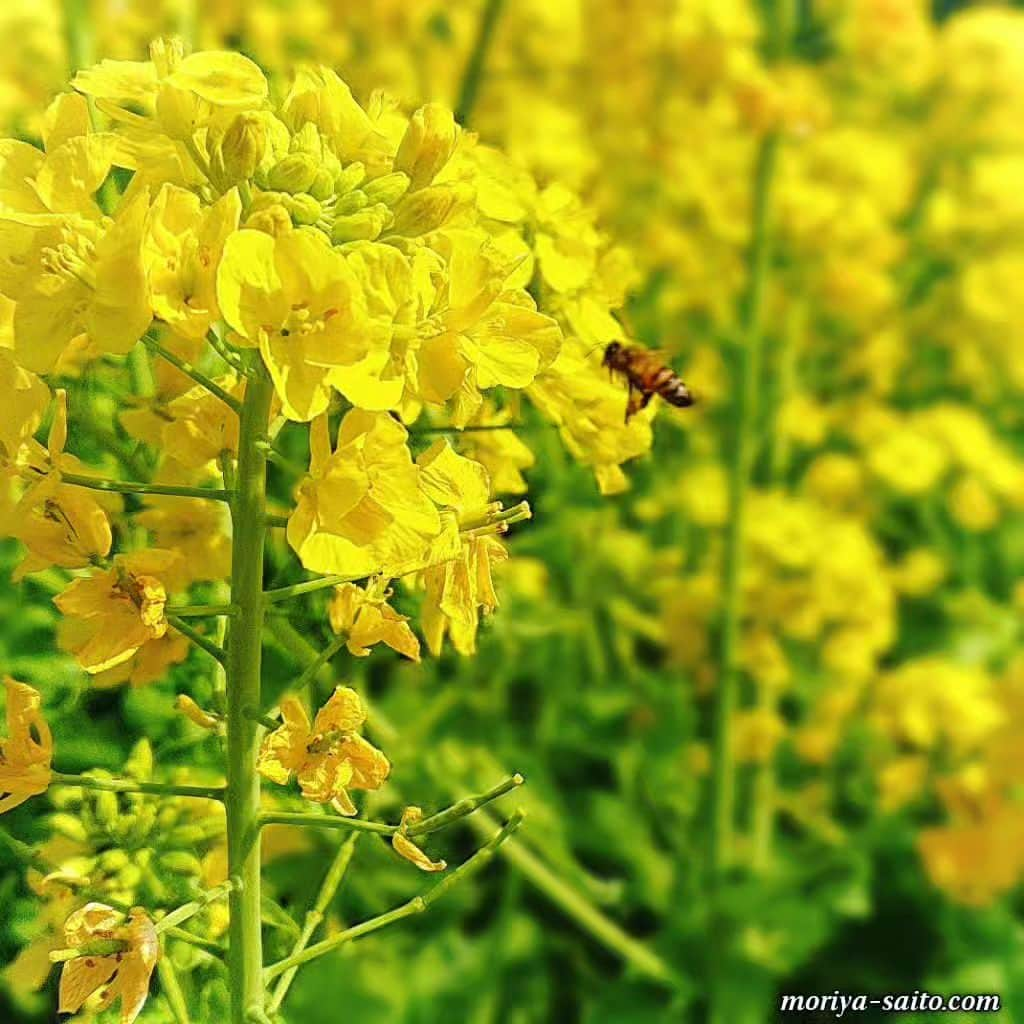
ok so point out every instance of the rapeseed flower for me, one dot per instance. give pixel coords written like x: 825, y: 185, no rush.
x: 26, y: 753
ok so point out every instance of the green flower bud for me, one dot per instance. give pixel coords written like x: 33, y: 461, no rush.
x: 304, y: 209
x: 351, y: 202
x: 351, y: 177
x: 111, y: 861
x: 69, y: 826
x: 387, y: 189
x: 130, y: 877
x: 427, y: 145
x: 181, y: 863
x: 186, y: 835
x: 108, y: 810
x: 295, y: 173
x: 323, y: 185
x: 365, y: 225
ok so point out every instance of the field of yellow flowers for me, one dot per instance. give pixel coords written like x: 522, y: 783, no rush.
x: 373, y: 650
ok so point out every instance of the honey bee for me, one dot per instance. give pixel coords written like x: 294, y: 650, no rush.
x: 647, y: 376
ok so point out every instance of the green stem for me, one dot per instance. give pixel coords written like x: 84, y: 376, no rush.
x: 77, y: 34
x: 276, y: 521
x: 309, y: 587
x: 130, y: 487
x: 748, y: 359
x: 309, y: 674
x: 474, y: 73
x: 170, y: 986
x: 244, y: 655
x: 206, y: 945
x: 460, y: 809
x: 199, y: 611
x: 196, y: 374
x: 576, y: 906
x: 216, y: 652
x: 189, y: 910
x: 328, y: 889
x: 131, y: 786
x: 415, y: 906
x: 98, y: 947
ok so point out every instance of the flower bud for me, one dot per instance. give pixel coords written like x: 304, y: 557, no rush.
x: 366, y: 225
x: 304, y: 209
x: 108, y: 810
x: 322, y: 186
x: 351, y: 177
x: 181, y: 863
x: 387, y: 189
x: 112, y: 860
x: 130, y: 876
x: 351, y: 202
x: 427, y: 145
x: 166, y: 53
x: 273, y: 220
x: 237, y: 155
x: 295, y: 173
x: 422, y: 212
x: 69, y: 826
x: 194, y: 713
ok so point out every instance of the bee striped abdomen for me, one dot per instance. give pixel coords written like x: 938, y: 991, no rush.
x: 646, y: 376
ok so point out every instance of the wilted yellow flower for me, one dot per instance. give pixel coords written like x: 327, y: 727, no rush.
x: 122, y: 975
x: 366, y: 618
x: 328, y: 759
x: 406, y: 848
x: 120, y: 609
x: 460, y: 587
x: 26, y: 754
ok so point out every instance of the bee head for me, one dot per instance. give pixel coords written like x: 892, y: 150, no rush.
x: 611, y: 352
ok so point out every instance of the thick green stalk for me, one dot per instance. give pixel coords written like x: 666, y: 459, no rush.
x: 474, y: 74
x: 747, y: 381
x: 244, y: 654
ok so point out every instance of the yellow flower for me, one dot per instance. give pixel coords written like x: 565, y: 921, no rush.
x: 367, y: 619
x: 122, y: 975
x: 500, y: 452
x: 26, y: 754
x: 198, y: 426
x: 486, y: 333
x: 88, y: 287
x: 362, y: 509
x: 328, y: 759
x: 972, y: 505
x: 297, y: 299
x: 119, y: 609
x: 198, y: 530
x: 182, y: 251
x: 590, y: 413
x: 757, y: 734
x: 149, y: 664
x: 907, y: 461
x: 25, y: 400
x: 460, y: 587
x: 406, y: 848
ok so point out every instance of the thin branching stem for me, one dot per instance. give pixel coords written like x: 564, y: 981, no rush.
x: 197, y: 638
x: 315, y: 915
x: 415, y: 906
x: 309, y: 587
x: 131, y: 786
x: 473, y: 76
x: 196, y: 374
x: 134, y: 487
